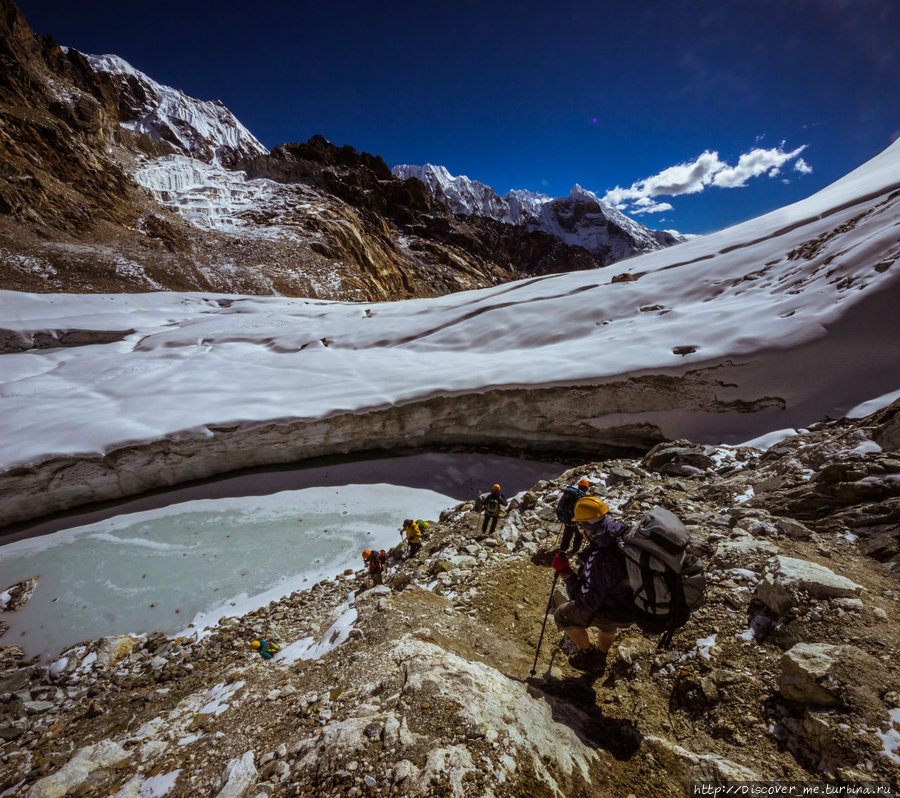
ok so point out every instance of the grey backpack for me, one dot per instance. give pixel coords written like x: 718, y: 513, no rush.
x: 667, y: 580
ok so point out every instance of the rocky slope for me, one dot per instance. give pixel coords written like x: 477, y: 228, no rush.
x: 422, y: 687
x: 111, y: 182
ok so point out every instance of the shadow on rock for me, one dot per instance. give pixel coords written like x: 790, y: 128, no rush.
x: 572, y: 701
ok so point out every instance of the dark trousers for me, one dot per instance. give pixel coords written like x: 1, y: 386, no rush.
x: 414, y: 549
x: 570, y: 531
x: 376, y: 578
x: 492, y: 519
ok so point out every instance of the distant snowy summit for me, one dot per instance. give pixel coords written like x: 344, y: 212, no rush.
x: 581, y: 219
x: 205, y: 130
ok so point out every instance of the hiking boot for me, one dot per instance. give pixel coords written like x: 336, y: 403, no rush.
x: 567, y: 646
x: 592, y: 660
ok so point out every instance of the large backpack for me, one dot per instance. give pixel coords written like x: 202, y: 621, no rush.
x: 668, y: 581
x: 565, y: 507
x: 492, y: 504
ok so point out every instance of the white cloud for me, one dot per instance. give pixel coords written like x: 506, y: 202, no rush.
x: 647, y: 205
x: 753, y: 164
x: 706, y: 170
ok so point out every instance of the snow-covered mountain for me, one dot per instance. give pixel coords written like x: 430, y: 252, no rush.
x: 581, y: 219
x: 115, y: 182
x: 205, y: 130
x: 770, y: 324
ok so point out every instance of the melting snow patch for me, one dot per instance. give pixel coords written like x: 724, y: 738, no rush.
x: 217, y: 698
x: 704, y: 646
x: 891, y: 737
x: 758, y: 626
x: 866, y: 447
x: 337, y: 633
x: 189, y: 739
x: 89, y: 660
x: 769, y: 439
x: 157, y: 786
x: 745, y: 496
x: 867, y: 408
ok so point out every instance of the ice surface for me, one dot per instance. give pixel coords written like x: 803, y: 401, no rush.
x: 729, y: 295
x: 183, y: 567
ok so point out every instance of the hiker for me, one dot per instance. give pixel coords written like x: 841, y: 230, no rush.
x: 413, y: 531
x: 600, y: 593
x: 264, y: 648
x: 375, y: 560
x: 491, y: 503
x: 565, y: 512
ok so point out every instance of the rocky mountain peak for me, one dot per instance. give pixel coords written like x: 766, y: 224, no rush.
x: 580, y: 219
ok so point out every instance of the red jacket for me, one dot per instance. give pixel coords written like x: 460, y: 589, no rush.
x: 376, y: 561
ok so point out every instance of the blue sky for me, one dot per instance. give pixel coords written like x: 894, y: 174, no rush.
x: 541, y: 95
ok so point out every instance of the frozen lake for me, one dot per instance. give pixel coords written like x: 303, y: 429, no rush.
x: 180, y: 567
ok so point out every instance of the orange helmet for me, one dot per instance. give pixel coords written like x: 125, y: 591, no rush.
x: 366, y: 554
x: 496, y: 487
x: 583, y: 483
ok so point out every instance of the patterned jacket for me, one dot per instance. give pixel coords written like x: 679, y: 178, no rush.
x: 602, y: 581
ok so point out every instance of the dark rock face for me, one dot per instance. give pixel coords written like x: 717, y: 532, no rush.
x: 835, y: 479
x: 55, y: 171
x: 501, y: 251
x: 73, y: 219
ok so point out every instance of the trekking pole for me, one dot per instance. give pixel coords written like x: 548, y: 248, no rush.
x: 546, y: 614
x: 559, y: 534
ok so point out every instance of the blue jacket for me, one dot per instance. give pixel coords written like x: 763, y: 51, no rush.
x: 602, y: 581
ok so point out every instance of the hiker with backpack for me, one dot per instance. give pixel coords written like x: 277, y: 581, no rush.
x: 491, y: 504
x: 413, y: 531
x: 265, y: 648
x: 565, y: 513
x: 375, y: 560
x: 600, y: 593
x: 642, y: 574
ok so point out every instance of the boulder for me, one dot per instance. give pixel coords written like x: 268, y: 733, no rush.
x: 18, y: 594
x: 785, y: 577
x: 680, y: 458
x: 238, y: 778
x: 792, y: 528
x: 805, y: 673
x: 111, y: 650
x: 744, y: 552
x: 688, y: 766
x: 105, y: 754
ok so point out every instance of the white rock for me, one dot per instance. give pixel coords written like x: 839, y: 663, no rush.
x: 104, y: 754
x: 805, y: 669
x: 745, y: 552
x: 687, y: 766
x: 238, y: 778
x: 528, y: 726
x: 785, y: 576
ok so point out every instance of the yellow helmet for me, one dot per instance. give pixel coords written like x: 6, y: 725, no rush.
x: 496, y: 487
x: 590, y: 509
x: 254, y: 644
x: 366, y: 554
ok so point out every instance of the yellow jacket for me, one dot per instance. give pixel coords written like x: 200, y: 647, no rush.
x: 413, y: 533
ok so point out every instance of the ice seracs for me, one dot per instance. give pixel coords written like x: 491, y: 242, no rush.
x: 206, y: 130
